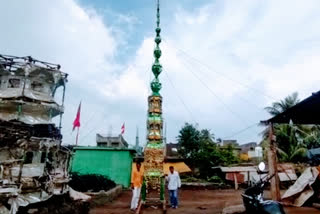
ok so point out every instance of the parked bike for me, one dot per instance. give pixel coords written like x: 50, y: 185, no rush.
x: 253, y: 198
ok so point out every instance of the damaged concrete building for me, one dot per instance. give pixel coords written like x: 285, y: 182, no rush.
x: 33, y: 164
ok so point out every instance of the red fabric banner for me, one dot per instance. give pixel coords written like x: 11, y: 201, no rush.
x: 76, y: 122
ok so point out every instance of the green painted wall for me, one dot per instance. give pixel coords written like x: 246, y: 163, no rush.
x: 116, y: 164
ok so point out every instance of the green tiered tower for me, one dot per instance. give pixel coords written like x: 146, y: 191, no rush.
x: 153, y: 186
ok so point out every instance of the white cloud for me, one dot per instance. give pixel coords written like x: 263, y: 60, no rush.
x: 270, y: 47
x: 63, y: 32
x: 267, y: 47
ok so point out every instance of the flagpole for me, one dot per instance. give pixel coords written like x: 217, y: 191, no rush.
x: 77, y: 136
x: 76, y: 123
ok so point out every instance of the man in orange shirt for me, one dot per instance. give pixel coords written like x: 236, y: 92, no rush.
x: 136, y: 183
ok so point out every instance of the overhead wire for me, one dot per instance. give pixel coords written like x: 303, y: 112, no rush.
x: 179, y: 97
x: 91, y: 130
x: 245, y: 100
x: 93, y: 115
x: 241, y: 131
x: 221, y: 74
x: 215, y: 95
x: 236, y: 115
x: 101, y: 120
x: 212, y: 92
x: 188, y: 110
x: 257, y: 124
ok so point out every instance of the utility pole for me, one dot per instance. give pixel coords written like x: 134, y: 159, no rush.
x: 273, y: 168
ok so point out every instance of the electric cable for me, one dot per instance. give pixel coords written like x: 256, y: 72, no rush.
x: 216, y: 96
x: 221, y: 74
x: 179, y: 97
x: 245, y: 100
x: 101, y: 120
x: 241, y: 131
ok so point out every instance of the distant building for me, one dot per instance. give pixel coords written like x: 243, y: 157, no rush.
x: 230, y: 142
x: 245, y: 148
x: 111, y: 142
x: 172, y: 151
x: 258, y: 152
x: 250, y: 151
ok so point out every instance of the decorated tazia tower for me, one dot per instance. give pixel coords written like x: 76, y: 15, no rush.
x: 154, y: 151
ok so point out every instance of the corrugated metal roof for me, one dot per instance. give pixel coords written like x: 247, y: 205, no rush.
x: 239, y: 169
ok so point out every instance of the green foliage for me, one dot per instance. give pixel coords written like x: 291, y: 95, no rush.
x: 227, y: 156
x: 200, y: 150
x: 283, y: 105
x: 312, y: 140
x: 189, y: 139
x: 279, y: 107
x: 293, y: 140
x: 191, y: 179
x: 215, y: 179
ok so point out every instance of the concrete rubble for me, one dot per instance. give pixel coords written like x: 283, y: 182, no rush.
x: 302, y: 189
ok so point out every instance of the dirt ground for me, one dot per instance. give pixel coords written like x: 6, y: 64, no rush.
x: 192, y: 202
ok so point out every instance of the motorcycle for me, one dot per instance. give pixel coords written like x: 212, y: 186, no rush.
x: 253, y: 198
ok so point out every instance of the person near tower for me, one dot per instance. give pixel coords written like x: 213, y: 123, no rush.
x: 174, y: 183
x: 136, y: 183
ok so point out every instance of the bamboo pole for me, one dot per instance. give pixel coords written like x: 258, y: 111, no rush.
x: 77, y: 136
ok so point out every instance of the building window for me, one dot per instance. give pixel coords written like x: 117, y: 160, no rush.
x: 37, y: 86
x: 43, y: 157
x: 29, y: 157
x: 116, y: 144
x: 14, y: 83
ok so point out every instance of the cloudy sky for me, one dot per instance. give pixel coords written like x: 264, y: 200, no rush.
x: 223, y: 61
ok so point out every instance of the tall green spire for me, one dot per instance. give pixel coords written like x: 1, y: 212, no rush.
x: 155, y: 149
x: 157, y: 67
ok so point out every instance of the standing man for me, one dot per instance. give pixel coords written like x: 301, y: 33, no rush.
x: 173, y: 184
x: 136, y: 183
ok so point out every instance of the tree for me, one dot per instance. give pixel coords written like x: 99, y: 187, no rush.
x: 201, y: 151
x: 293, y: 140
x: 227, y: 156
x: 312, y: 140
x: 189, y: 140
x: 290, y: 143
x: 283, y: 105
x: 279, y: 107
